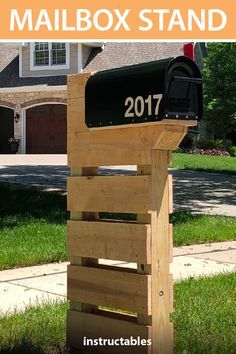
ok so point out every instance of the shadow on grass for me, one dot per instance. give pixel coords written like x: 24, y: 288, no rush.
x: 182, y: 217
x: 26, y: 347
x: 30, y: 202
x: 178, y: 217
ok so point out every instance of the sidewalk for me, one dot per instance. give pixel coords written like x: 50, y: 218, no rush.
x: 22, y: 287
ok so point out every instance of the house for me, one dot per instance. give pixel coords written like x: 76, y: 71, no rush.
x: 33, y: 85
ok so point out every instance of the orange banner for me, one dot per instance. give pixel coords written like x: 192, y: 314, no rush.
x: 118, y: 20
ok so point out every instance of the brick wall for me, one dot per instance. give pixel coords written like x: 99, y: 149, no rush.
x: 19, y: 101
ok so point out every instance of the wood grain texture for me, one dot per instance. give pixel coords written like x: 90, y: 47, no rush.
x: 116, y: 289
x: 160, y: 254
x: 77, y: 215
x: 170, y: 192
x: 171, y: 293
x: 170, y: 241
x: 127, y: 146
x: 76, y: 85
x: 170, y: 137
x: 76, y: 118
x: 124, y: 194
x: 144, y: 267
x: 109, y: 240
x: 80, y: 325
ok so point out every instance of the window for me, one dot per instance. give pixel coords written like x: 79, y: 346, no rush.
x: 46, y: 55
x: 58, y: 53
x: 41, y: 54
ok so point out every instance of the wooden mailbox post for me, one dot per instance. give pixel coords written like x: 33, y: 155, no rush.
x: 95, y: 288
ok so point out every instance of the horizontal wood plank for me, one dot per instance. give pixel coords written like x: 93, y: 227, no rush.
x: 123, y: 146
x: 124, y: 194
x: 80, y: 325
x: 110, y: 240
x: 112, y: 288
x: 127, y: 146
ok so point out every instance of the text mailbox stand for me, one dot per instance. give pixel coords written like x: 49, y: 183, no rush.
x: 96, y: 289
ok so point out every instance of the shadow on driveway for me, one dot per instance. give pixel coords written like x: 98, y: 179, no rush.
x: 194, y: 191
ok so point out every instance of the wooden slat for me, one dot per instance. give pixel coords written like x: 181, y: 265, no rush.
x: 143, y: 267
x: 80, y: 325
x: 127, y: 146
x: 171, y: 293
x: 127, y: 194
x: 110, y: 240
x: 171, y: 337
x: 170, y: 191
x: 160, y: 254
x: 116, y: 289
x: 76, y: 215
x: 170, y: 240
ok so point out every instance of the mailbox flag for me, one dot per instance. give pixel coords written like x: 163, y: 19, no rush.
x: 189, y: 50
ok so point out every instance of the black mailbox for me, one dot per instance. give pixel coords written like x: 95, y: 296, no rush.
x: 144, y: 93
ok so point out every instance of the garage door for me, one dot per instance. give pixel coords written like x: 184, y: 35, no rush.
x: 46, y: 129
x: 6, y: 128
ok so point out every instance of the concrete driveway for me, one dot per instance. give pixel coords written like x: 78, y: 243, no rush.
x: 199, y: 192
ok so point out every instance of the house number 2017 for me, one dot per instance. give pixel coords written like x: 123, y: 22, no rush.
x: 137, y: 106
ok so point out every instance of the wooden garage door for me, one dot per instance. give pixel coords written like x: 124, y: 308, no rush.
x: 46, y: 129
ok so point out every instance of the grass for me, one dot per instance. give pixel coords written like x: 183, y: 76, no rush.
x: 25, y: 241
x: 205, y: 315
x: 204, y: 321
x: 204, y: 163
x: 33, y: 227
x: 196, y: 229
x: 38, y: 330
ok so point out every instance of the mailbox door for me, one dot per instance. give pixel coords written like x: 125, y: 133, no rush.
x: 184, y: 90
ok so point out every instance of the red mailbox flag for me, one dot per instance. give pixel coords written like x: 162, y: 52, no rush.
x: 189, y: 50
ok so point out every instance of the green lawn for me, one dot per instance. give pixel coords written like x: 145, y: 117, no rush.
x: 195, y: 229
x: 33, y: 227
x: 204, y: 321
x: 204, y: 163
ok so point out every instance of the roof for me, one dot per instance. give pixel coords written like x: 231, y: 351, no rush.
x: 9, y: 71
x: 115, y: 55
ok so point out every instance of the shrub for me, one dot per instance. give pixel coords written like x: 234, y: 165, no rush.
x: 206, y: 144
x: 179, y: 150
x: 220, y: 144
x: 232, y: 150
x: 211, y: 152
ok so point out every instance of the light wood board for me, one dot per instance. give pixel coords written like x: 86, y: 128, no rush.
x: 116, y: 289
x: 110, y: 240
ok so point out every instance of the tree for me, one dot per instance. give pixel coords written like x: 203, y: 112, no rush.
x: 220, y: 88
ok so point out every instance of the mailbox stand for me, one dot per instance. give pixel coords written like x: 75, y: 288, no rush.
x: 95, y: 290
